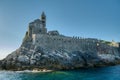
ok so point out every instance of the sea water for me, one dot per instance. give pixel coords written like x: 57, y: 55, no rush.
x: 103, y: 73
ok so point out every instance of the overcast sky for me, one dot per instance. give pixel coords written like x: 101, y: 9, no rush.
x: 85, y: 18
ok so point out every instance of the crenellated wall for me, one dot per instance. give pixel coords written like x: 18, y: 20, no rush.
x: 70, y: 44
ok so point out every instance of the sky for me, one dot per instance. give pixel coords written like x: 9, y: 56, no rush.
x: 84, y: 18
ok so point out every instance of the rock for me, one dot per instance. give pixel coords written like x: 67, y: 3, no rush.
x: 32, y: 61
x: 51, y: 50
x: 23, y: 59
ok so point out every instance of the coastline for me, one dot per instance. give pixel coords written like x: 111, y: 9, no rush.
x: 31, y: 71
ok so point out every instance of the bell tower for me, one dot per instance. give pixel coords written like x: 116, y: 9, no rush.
x: 43, y: 29
x: 43, y: 19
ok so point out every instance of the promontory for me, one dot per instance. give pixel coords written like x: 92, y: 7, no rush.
x: 50, y: 50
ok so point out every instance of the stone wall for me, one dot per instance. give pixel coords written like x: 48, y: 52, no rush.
x: 70, y: 44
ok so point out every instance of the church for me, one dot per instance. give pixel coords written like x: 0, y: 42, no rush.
x: 38, y: 26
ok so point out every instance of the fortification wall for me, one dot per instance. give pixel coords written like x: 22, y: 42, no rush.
x: 69, y: 44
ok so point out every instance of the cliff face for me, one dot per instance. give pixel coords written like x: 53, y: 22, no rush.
x: 54, y: 51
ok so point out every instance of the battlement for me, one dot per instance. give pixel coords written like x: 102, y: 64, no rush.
x: 60, y: 42
x: 63, y: 42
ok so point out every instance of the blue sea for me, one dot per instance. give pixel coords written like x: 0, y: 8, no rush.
x: 104, y: 73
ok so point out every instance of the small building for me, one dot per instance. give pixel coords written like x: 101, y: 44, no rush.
x: 55, y: 32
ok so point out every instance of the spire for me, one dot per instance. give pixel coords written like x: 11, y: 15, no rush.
x: 43, y: 16
x: 43, y: 19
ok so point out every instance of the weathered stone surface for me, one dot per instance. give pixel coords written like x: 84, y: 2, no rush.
x: 23, y: 58
x: 54, y: 51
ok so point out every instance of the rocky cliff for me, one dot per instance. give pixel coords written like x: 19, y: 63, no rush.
x: 50, y: 50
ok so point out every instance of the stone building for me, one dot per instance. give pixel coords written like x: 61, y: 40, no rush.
x: 38, y: 35
x: 38, y: 26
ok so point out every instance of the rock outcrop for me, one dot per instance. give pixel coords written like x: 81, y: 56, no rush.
x: 51, y: 50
